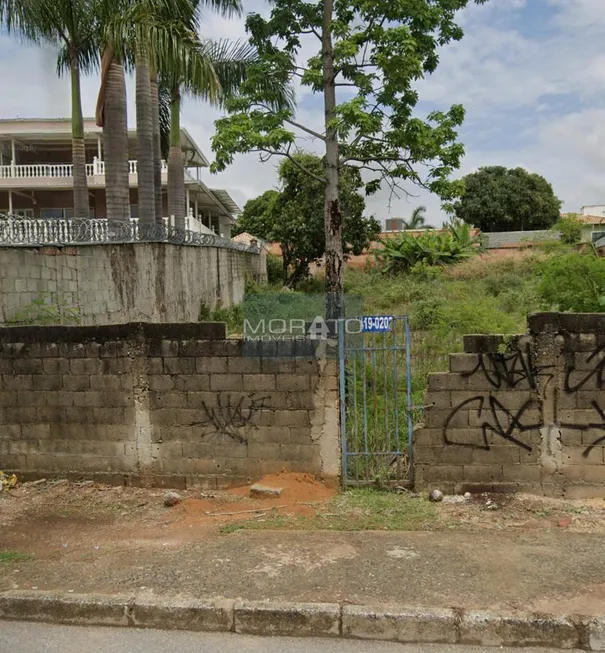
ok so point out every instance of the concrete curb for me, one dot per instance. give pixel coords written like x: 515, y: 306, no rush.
x: 389, y: 623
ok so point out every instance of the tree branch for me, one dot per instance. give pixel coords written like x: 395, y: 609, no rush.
x: 287, y: 154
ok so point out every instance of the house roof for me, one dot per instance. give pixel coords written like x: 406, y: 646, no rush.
x: 591, y: 219
x: 226, y: 200
x: 58, y: 131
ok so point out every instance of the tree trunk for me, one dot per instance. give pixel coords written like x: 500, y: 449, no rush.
x: 332, y: 213
x: 176, y: 168
x: 77, y: 144
x: 115, y: 142
x: 145, y: 149
x: 157, y: 145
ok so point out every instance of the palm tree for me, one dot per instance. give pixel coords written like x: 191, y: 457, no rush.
x: 147, y: 35
x: 111, y: 114
x: 72, y: 26
x: 416, y: 220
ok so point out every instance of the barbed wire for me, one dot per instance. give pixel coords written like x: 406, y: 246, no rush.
x: 20, y: 231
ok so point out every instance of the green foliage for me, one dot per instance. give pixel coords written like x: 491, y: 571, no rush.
x: 570, y: 227
x: 48, y: 309
x: 380, y: 50
x: 255, y: 219
x: 275, y: 269
x: 501, y: 199
x: 7, y: 556
x: 573, y: 282
x: 294, y: 217
x: 356, y: 509
x: 404, y: 252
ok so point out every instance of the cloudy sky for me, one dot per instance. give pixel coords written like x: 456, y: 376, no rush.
x: 530, y: 73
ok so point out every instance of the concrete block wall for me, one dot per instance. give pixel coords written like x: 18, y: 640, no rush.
x: 167, y: 404
x: 524, y: 413
x: 116, y: 284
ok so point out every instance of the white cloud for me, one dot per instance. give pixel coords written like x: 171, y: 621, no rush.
x: 533, y: 99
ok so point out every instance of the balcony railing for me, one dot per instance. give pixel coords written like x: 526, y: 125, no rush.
x: 27, y: 232
x: 60, y: 170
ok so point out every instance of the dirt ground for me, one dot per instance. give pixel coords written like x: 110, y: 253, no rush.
x: 514, y: 551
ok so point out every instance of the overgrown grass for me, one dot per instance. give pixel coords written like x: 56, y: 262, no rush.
x: 358, y: 509
x: 8, y: 556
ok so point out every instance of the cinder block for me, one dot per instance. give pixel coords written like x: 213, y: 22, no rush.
x: 465, y: 363
x: 483, y: 473
x: 428, y: 437
x: 76, y: 383
x: 443, y: 455
x: 17, y: 381
x: 179, y: 365
x: 440, y: 381
x: 438, y: 400
x: 222, y: 382
x: 28, y: 366
x: 105, y: 382
x: 259, y: 382
x: 296, y: 383
x: 55, y: 365
x: 505, y: 455
x: 576, y: 456
x: 212, y: 365
x: 291, y: 418
x: 435, y: 418
x: 60, y: 398
x: 85, y: 366
x: 244, y: 365
x: 300, y: 453
x: 585, y: 491
x: 161, y: 383
x: 28, y: 398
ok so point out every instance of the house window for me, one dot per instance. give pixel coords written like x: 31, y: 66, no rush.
x: 62, y: 214
x: 20, y: 213
x: 598, y: 238
x: 134, y: 210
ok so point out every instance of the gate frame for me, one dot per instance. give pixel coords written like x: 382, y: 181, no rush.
x: 342, y: 359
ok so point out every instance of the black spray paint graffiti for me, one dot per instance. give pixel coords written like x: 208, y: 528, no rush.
x: 576, y: 380
x: 508, y: 371
x: 231, y: 415
x: 497, y: 420
x: 580, y: 379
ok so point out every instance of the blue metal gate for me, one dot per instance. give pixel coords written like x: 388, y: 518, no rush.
x: 375, y: 400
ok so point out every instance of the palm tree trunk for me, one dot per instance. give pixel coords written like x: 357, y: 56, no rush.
x: 176, y: 169
x: 157, y: 146
x: 115, y: 137
x: 77, y: 144
x: 146, y: 181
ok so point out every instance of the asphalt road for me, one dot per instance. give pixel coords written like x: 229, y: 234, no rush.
x: 21, y: 637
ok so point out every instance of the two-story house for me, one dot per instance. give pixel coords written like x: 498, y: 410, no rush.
x: 36, y: 175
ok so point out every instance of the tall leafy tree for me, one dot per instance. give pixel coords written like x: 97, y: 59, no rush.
x: 378, y: 50
x: 72, y: 26
x: 501, y: 199
x: 294, y: 216
x: 256, y: 218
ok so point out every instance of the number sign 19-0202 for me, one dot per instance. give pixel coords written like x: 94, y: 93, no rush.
x: 376, y: 323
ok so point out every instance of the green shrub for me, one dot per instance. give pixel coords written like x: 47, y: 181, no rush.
x: 573, y: 282
x: 570, y: 228
x: 275, y: 269
x: 404, y: 252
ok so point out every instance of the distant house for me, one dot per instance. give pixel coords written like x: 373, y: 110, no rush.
x: 36, y: 175
x: 593, y: 219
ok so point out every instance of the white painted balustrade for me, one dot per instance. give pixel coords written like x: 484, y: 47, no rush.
x: 60, y: 170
